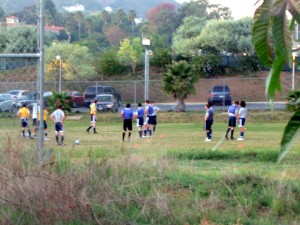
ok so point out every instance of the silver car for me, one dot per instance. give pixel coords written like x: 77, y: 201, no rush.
x: 7, y: 104
x: 107, y: 102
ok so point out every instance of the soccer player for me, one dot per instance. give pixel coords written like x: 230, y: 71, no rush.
x: 208, y: 122
x: 24, y: 114
x: 140, y: 112
x: 232, y: 114
x: 93, y: 114
x: 154, y: 120
x: 58, y: 117
x: 34, y: 118
x: 242, y: 114
x: 149, y: 118
x: 127, y: 116
x: 45, y: 121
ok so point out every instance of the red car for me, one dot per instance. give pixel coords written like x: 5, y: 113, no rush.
x: 77, y: 98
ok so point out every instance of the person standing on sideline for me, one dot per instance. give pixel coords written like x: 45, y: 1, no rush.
x: 93, y: 115
x: 24, y: 114
x: 45, y: 121
x: 154, y: 120
x: 35, y: 118
x: 232, y: 114
x: 140, y: 112
x: 149, y: 118
x: 208, y: 122
x: 242, y: 115
x: 127, y: 116
x: 58, y: 117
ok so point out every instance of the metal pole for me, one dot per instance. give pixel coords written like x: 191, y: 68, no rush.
x: 147, y: 66
x: 60, y: 75
x: 293, y: 74
x: 42, y: 81
x: 145, y: 85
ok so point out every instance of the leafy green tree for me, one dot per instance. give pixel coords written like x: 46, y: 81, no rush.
x: 217, y: 11
x: 272, y: 38
x: 2, y: 14
x: 186, y: 39
x: 231, y: 36
x: 293, y: 98
x: 130, y: 52
x: 20, y: 39
x: 90, y: 24
x: 77, y: 62
x: 179, y: 80
x: 207, y: 65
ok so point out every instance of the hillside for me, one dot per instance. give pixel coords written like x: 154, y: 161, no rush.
x: 139, y: 6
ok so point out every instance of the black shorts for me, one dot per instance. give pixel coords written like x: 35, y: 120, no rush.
x: 208, y: 124
x: 59, y: 127
x: 232, y: 121
x: 154, y: 120
x: 35, y: 122
x: 242, y: 122
x: 45, y: 124
x: 24, y: 122
x: 140, y: 121
x: 93, y: 120
x: 149, y: 120
x: 127, y: 124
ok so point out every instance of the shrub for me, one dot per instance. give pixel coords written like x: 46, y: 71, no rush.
x: 249, y: 63
x: 207, y: 65
x: 161, y: 57
x: 109, y: 63
x: 57, y: 99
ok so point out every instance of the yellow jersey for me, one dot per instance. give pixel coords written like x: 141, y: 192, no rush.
x: 45, y: 115
x: 93, y: 108
x: 24, y: 112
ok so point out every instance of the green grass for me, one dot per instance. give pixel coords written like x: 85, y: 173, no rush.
x: 172, y: 178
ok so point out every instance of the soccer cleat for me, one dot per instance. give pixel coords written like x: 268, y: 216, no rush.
x: 57, y: 143
x: 207, y: 140
x: 240, y: 139
x: 88, y: 131
x: 144, y: 136
x: 226, y: 137
x: 62, y: 143
x: 232, y: 138
x: 96, y: 132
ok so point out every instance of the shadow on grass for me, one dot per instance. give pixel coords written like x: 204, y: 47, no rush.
x: 249, y: 156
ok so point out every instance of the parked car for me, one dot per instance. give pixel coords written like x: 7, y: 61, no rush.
x: 16, y: 94
x: 220, y: 94
x: 77, y: 98
x: 7, y: 104
x: 91, y: 92
x: 107, y: 102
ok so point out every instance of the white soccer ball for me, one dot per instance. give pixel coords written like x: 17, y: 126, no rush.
x: 77, y: 142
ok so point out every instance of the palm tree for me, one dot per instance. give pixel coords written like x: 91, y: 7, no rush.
x: 104, y: 17
x: 179, y: 80
x: 78, y: 18
x: 131, y: 17
x: 89, y: 23
x: 120, y: 16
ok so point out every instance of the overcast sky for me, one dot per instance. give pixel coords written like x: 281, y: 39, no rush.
x: 239, y: 8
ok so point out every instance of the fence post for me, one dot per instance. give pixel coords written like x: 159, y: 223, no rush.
x: 134, y: 91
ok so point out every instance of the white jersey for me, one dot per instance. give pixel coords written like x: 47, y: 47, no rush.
x: 243, y: 112
x: 34, y: 111
x: 155, y: 110
x: 58, y: 115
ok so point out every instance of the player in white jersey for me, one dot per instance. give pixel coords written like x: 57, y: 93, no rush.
x: 58, y: 117
x: 242, y: 115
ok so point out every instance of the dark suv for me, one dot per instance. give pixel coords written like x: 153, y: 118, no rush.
x: 91, y: 92
x: 220, y: 94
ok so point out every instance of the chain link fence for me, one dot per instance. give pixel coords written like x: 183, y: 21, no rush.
x: 248, y: 89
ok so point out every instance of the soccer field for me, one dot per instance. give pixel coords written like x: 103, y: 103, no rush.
x: 175, y: 177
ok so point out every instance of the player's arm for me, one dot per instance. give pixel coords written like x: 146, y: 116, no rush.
x: 52, y: 118
x: 206, y: 116
x: 122, y: 115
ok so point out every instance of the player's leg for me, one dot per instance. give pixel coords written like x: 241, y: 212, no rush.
x: 129, y: 125
x: 91, y: 124
x: 62, y: 137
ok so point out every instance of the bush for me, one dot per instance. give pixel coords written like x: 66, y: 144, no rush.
x: 249, y: 63
x: 293, y: 98
x: 109, y: 63
x: 57, y: 99
x: 161, y: 57
x: 208, y: 65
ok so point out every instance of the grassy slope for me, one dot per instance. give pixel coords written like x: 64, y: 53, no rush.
x: 175, y: 178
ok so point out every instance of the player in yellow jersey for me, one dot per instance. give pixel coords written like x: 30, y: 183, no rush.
x: 45, y: 121
x: 24, y: 114
x: 93, y: 114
